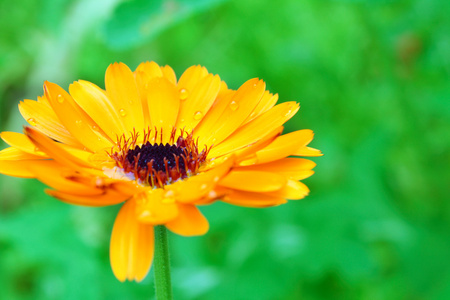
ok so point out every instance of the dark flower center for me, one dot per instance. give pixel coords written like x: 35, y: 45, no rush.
x: 158, y: 164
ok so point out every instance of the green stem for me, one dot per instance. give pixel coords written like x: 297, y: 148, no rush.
x: 163, y: 285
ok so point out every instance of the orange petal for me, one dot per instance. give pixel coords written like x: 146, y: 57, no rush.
x: 239, y: 108
x: 80, y: 125
x: 256, y: 129
x: 293, y: 190
x: 198, y: 102
x: 94, y: 101
x: 17, y: 168
x: 285, y: 145
x: 42, y: 117
x: 293, y: 168
x: 189, y: 222
x: 163, y: 104
x: 155, y: 207
x: 253, y: 181
x: 21, y: 142
x: 123, y: 94
x: 108, y: 198
x: 132, y: 245
x: 54, y: 150
x: 196, y: 187
x: 52, y: 174
x: 249, y: 199
x: 308, y: 151
x: 12, y: 154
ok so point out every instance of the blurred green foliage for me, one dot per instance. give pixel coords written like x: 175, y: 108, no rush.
x: 373, y: 81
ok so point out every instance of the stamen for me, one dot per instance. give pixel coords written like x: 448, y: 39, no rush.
x: 156, y: 164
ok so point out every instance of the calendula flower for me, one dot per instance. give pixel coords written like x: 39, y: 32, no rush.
x: 161, y: 147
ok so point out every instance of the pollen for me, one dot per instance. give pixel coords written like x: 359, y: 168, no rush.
x: 157, y: 164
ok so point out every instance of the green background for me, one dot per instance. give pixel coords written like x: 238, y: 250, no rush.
x: 372, y: 78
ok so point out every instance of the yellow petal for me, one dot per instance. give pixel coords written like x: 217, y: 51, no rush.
x: 150, y: 68
x: 154, y: 207
x: 191, y: 77
x: 42, y: 117
x: 94, y: 101
x: 12, y: 154
x: 256, y: 129
x: 239, y: 108
x: 163, y: 105
x: 209, y: 120
x: 198, y: 102
x: 132, y: 245
x: 253, y: 181
x: 285, y: 145
x: 267, y: 102
x: 16, y: 168
x: 293, y: 190
x: 189, y: 222
x: 308, y: 151
x: 293, y: 168
x: 52, y: 174
x: 250, y: 199
x: 169, y: 74
x: 123, y: 94
x: 108, y: 198
x: 22, y: 142
x: 79, y: 124
x: 54, y: 150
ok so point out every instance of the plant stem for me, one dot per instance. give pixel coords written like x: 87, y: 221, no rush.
x: 163, y: 285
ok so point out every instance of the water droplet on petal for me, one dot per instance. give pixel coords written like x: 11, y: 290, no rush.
x: 182, y: 120
x: 198, y: 115
x: 234, y: 105
x: 216, y: 178
x: 32, y: 121
x: 169, y: 194
x: 122, y: 112
x: 36, y: 149
x: 203, y: 186
x: 95, y: 128
x: 288, y: 113
x: 60, y: 98
x: 78, y: 122
x: 184, y: 94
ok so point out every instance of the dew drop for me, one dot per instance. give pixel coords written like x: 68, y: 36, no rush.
x: 216, y: 178
x: 288, y: 113
x: 169, y: 194
x: 184, y: 94
x: 198, y: 115
x: 203, y: 186
x: 36, y: 149
x: 78, y: 122
x: 32, y: 121
x: 182, y: 120
x: 95, y: 128
x: 60, y: 98
x: 234, y: 105
x: 122, y: 112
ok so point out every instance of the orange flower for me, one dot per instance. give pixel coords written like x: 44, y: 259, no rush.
x: 162, y: 147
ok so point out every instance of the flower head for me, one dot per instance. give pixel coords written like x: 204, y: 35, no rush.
x: 162, y: 147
